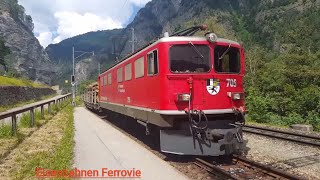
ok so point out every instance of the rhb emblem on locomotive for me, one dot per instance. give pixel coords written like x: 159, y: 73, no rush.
x: 213, y: 86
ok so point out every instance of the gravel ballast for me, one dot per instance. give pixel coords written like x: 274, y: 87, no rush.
x: 295, y: 158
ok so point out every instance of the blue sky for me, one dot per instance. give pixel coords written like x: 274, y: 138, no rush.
x: 60, y: 19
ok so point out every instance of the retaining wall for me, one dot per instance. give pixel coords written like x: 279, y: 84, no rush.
x: 14, y: 94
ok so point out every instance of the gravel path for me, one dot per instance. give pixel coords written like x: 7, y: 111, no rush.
x: 295, y: 158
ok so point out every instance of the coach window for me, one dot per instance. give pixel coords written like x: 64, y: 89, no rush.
x: 226, y: 59
x: 119, y: 75
x: 109, y: 78
x: 128, y: 72
x: 152, y: 61
x: 139, y: 68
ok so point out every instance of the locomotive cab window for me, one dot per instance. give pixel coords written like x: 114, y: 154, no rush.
x: 226, y: 59
x: 190, y: 58
x: 152, y: 61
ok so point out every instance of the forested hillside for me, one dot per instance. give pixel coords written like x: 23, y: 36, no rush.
x: 281, y: 38
x: 100, y: 42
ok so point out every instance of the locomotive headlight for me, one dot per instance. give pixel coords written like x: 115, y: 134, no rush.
x: 183, y: 97
x: 237, y: 96
x: 212, y: 37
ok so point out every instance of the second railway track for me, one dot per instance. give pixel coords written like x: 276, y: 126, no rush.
x: 284, y: 135
x: 243, y: 168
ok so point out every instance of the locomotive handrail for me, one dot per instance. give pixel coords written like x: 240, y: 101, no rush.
x: 30, y: 107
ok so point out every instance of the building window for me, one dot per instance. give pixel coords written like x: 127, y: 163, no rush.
x: 104, y: 80
x: 153, y: 62
x: 128, y: 72
x: 119, y: 75
x: 109, y: 78
x: 139, y: 67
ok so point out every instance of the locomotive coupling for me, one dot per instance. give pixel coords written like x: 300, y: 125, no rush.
x: 221, y: 135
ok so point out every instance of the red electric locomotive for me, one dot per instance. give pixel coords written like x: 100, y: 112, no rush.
x: 191, y: 88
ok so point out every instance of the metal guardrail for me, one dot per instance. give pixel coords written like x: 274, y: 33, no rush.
x: 15, y: 111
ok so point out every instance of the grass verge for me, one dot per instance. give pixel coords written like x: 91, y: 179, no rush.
x: 58, y: 156
x: 32, y: 145
x: 9, y: 81
x: 5, y: 131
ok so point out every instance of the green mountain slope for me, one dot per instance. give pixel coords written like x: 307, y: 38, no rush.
x: 100, y: 42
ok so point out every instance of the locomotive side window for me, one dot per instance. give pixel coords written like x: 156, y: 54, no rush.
x: 189, y: 58
x: 104, y: 80
x: 139, y: 67
x: 128, y: 72
x: 101, y: 81
x: 109, y: 78
x: 152, y: 62
x: 119, y: 75
x: 226, y: 59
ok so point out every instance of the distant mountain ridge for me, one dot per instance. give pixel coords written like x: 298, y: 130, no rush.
x: 99, y: 42
x: 264, y: 23
x: 236, y: 19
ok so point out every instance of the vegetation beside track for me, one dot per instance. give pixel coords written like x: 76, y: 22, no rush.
x: 48, y: 145
x: 11, y: 81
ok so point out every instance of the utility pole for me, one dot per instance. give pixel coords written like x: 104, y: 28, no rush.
x: 115, y: 53
x: 133, y: 40
x: 73, y: 83
x: 99, y: 68
x: 73, y: 60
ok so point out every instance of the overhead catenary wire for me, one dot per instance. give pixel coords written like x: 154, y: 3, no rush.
x: 120, y: 12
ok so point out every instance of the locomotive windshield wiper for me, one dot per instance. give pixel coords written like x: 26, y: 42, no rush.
x: 196, y: 49
x: 222, y: 56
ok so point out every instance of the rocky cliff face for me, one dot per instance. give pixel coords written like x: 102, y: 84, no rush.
x: 28, y: 57
x: 85, y: 68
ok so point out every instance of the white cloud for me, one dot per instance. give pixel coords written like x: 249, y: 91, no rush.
x: 45, y: 38
x: 71, y: 17
x: 71, y: 24
x: 140, y: 3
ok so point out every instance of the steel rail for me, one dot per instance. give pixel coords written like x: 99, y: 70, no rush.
x: 285, y: 132
x: 279, y: 136
x: 267, y: 168
x: 264, y: 169
x: 203, y: 164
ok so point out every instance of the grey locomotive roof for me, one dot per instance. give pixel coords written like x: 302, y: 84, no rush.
x: 192, y: 38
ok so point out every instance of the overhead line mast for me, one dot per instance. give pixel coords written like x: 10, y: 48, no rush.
x: 133, y: 40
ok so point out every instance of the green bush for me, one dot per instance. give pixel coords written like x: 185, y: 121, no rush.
x: 258, y: 106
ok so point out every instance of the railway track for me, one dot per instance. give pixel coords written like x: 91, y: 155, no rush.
x: 243, y: 168
x: 284, y: 135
